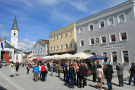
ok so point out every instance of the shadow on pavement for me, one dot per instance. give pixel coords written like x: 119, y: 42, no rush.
x: 96, y: 87
x: 2, y: 88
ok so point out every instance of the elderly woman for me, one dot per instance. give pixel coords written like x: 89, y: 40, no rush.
x: 100, y: 76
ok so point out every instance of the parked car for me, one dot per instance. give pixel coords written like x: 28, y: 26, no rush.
x: 3, y: 63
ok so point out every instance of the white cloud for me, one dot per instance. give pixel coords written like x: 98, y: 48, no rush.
x: 26, y: 45
x: 49, y: 2
x: 80, y: 4
x: 5, y: 34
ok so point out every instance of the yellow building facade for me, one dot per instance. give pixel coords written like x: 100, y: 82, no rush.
x: 63, y: 40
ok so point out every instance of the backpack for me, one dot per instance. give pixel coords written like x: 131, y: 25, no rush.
x: 42, y: 68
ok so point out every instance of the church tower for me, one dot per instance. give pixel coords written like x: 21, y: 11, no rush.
x: 14, y: 33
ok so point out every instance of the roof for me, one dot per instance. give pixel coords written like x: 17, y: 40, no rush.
x: 7, y: 44
x: 45, y: 41
x: 15, y: 27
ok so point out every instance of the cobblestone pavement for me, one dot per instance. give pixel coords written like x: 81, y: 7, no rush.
x: 24, y: 82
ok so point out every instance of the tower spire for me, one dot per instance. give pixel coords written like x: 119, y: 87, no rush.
x: 15, y: 27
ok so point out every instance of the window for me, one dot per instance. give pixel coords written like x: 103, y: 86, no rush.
x: 10, y: 55
x: 103, y: 39
x: 70, y: 45
x: 65, y: 34
x: 16, y: 57
x: 114, y: 56
x: 92, y: 41
x: 82, y: 43
x: 101, y: 24
x: 110, y: 21
x: 81, y: 30
x: 14, y: 34
x: 53, y: 48
x: 125, y: 57
x: 112, y: 38
x: 97, y: 40
x: 57, y: 37
x: 123, y: 36
x: 91, y: 27
x: 61, y: 47
x: 105, y: 54
x: 61, y: 36
x: 121, y: 18
x: 57, y: 47
x: 66, y: 45
x: 53, y: 38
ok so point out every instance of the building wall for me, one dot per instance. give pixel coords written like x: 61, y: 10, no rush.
x: 41, y: 49
x: 109, y: 47
x: 68, y: 36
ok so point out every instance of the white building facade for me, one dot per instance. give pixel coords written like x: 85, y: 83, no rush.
x: 109, y: 33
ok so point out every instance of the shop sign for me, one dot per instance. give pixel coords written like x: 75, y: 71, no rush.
x: 113, y: 46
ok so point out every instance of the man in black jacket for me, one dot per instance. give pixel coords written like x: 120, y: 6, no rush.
x: 132, y: 74
x: 108, y: 75
x: 94, y: 69
x: 83, y: 72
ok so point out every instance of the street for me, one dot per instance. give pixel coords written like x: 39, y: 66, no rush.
x: 24, y: 82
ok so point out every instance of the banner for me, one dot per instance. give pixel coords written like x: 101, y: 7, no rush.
x: 2, y: 46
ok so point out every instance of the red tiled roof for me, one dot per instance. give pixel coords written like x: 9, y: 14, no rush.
x: 45, y: 41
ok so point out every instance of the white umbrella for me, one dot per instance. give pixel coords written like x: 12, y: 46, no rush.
x: 56, y: 56
x: 47, y: 57
x: 67, y: 56
x: 81, y: 55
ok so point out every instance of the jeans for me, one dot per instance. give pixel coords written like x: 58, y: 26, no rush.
x: 130, y: 79
x: 71, y: 80
x: 109, y: 82
x: 52, y: 71
x: 45, y: 76
x: 81, y: 78
x: 120, y: 78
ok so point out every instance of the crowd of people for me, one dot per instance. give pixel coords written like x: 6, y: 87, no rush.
x: 75, y: 73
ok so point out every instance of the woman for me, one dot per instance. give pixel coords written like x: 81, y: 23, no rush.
x: 100, y: 76
x: 11, y: 66
x: 43, y: 72
x: 28, y: 67
x: 36, y: 72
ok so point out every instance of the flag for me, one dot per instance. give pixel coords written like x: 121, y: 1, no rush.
x: 2, y: 46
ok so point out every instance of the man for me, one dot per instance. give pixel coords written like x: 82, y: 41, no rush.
x: 83, y: 72
x: 17, y: 68
x: 132, y: 74
x: 120, y: 69
x: 108, y: 75
x: 71, y: 74
x: 94, y: 69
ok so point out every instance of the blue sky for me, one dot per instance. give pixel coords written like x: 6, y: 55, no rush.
x: 37, y: 18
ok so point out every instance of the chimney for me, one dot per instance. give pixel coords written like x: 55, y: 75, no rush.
x: 0, y: 39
